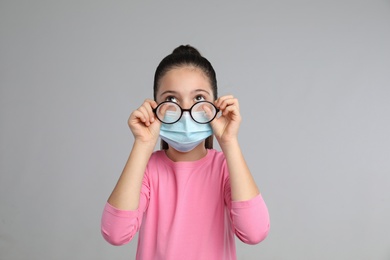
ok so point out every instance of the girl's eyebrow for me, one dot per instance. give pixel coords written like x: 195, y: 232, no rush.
x: 201, y: 90
x: 168, y: 92
x: 172, y: 92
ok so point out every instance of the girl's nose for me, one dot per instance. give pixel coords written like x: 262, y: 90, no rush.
x: 186, y: 105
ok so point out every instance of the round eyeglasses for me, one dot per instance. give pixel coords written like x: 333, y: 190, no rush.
x: 202, y: 112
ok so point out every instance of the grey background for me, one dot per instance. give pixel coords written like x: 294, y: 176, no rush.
x: 312, y: 78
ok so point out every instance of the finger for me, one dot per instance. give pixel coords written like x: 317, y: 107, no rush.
x: 164, y: 108
x: 229, y: 109
x: 136, y: 117
x: 153, y: 104
x: 229, y: 102
x: 208, y: 112
x: 232, y: 113
x: 149, y: 105
x: 145, y: 115
x: 224, y: 101
x: 220, y: 100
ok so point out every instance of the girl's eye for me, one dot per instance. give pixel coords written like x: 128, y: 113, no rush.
x: 171, y: 99
x: 199, y: 98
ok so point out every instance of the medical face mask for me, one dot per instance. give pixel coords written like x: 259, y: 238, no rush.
x: 185, y: 134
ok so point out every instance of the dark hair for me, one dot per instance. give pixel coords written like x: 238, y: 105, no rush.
x: 186, y: 55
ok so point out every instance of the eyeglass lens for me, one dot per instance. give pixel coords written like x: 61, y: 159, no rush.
x: 170, y: 112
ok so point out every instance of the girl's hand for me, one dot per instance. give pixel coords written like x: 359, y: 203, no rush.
x: 143, y: 123
x: 226, y: 126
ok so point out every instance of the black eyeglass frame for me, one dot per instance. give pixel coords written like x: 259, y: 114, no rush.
x: 186, y: 110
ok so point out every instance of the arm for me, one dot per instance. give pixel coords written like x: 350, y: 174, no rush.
x: 250, y: 219
x: 145, y: 129
x: 249, y: 213
x: 122, y: 215
x: 118, y: 227
x: 126, y: 193
x: 243, y: 186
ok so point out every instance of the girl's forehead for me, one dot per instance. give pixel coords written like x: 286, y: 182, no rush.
x: 178, y: 73
x: 184, y: 79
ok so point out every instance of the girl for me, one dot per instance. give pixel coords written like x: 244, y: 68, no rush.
x: 187, y: 200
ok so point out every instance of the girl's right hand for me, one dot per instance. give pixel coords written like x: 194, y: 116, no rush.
x: 143, y: 123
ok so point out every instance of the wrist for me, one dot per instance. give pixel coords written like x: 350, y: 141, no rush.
x: 144, y: 145
x: 226, y: 145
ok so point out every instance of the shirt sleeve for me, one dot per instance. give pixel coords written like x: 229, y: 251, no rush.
x: 119, y: 227
x: 250, y: 219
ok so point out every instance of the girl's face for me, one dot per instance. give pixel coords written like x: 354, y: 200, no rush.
x: 185, y: 86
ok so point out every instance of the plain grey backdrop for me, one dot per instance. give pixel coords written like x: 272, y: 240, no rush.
x: 312, y: 78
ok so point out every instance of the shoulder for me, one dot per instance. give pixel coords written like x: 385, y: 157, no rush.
x: 216, y: 155
x: 155, y: 159
x: 217, y: 165
x: 157, y: 155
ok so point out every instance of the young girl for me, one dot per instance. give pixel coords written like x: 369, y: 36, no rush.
x: 187, y: 200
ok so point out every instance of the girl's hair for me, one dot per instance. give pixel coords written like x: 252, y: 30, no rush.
x: 186, y: 56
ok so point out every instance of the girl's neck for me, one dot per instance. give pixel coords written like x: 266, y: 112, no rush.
x: 196, y: 154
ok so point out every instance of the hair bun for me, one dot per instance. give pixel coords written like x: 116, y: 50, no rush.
x: 187, y: 50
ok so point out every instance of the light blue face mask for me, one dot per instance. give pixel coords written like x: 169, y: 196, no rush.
x: 185, y: 134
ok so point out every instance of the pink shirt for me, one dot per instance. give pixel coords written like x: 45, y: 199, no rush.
x: 186, y: 212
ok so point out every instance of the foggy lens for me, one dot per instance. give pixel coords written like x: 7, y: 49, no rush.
x: 203, y: 112
x: 168, y: 112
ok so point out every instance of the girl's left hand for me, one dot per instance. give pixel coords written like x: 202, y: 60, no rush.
x: 225, y: 127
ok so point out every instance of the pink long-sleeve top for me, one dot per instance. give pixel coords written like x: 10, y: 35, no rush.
x: 186, y: 212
